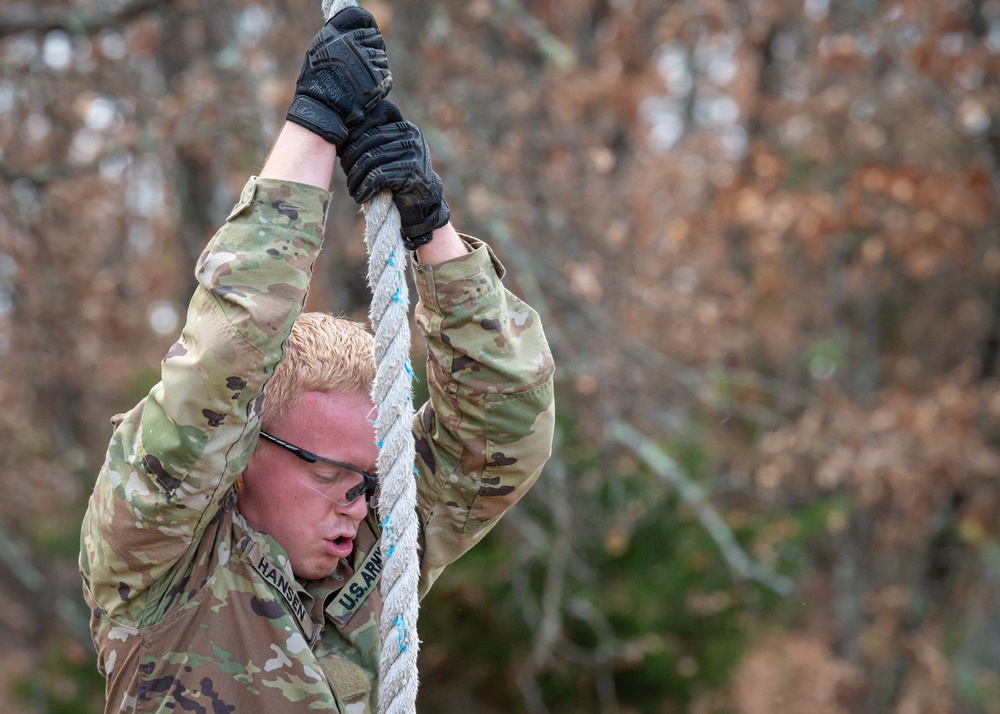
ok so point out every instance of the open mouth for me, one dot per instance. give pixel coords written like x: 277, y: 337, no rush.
x: 341, y: 546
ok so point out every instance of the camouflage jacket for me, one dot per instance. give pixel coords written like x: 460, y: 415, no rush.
x: 193, y: 610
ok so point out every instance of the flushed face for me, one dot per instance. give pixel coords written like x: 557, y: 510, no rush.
x: 283, y: 495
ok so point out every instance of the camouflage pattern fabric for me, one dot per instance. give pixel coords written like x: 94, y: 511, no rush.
x: 192, y: 610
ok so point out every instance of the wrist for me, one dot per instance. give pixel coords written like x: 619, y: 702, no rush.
x: 445, y: 245
x: 300, y: 155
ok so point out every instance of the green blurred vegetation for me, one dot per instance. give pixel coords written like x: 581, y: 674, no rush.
x: 67, y: 682
x: 673, y: 621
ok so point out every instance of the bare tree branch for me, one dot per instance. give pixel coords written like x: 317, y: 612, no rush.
x: 32, y: 18
x: 691, y: 493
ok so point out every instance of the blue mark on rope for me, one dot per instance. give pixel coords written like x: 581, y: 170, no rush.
x: 400, y: 624
x: 409, y: 370
x: 387, y: 530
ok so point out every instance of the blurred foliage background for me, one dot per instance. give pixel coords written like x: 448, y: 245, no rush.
x: 762, y: 234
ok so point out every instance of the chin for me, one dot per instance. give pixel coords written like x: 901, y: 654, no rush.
x: 315, y: 571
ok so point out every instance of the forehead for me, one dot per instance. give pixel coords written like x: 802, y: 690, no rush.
x: 337, y: 426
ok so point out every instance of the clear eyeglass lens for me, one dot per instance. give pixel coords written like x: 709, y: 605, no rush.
x: 343, y: 491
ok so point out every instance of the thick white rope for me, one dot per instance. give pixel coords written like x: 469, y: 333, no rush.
x: 392, y: 393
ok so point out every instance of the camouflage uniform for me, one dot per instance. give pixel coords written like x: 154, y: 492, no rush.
x: 192, y: 609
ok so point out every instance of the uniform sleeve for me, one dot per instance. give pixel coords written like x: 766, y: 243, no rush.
x: 173, y: 457
x: 486, y: 431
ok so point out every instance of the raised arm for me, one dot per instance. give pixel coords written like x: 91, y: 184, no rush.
x: 486, y: 431
x: 173, y: 458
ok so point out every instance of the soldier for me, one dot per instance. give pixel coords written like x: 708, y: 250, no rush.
x: 230, y: 550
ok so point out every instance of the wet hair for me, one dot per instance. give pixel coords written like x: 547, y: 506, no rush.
x: 323, y: 353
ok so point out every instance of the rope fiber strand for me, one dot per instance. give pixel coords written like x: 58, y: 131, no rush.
x: 392, y: 394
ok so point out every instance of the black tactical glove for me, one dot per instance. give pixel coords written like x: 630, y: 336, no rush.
x: 344, y: 74
x: 388, y: 152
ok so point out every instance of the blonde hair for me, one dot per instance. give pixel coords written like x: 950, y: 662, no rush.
x: 323, y: 353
